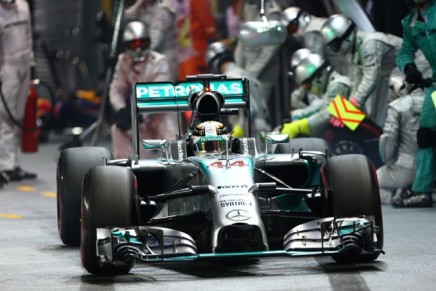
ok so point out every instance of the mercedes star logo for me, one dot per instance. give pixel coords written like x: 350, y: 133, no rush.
x: 238, y: 215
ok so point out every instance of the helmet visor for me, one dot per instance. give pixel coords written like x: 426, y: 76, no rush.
x: 142, y: 44
x: 336, y: 43
x: 210, y: 145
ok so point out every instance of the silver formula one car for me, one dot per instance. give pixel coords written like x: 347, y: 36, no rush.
x: 211, y: 196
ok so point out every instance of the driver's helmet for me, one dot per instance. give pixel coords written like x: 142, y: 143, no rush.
x: 416, y: 3
x: 210, y: 137
x: 136, y: 40
x: 217, y: 53
x: 295, y: 19
x: 313, y: 73
x: 338, y: 33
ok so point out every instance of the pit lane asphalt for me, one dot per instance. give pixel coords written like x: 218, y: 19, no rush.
x: 32, y: 256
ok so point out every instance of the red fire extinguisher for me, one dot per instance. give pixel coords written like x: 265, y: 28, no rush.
x: 30, y: 132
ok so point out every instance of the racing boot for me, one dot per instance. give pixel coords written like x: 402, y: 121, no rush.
x: 4, y: 179
x: 409, y: 198
x: 19, y: 174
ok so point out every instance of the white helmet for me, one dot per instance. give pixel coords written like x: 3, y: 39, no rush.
x: 210, y: 137
x: 295, y: 18
x: 136, y: 40
x: 337, y: 31
x: 313, y: 70
x: 398, y: 87
x: 216, y: 54
x: 298, y: 56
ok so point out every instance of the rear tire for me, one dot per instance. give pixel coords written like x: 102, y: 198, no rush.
x: 364, y: 140
x: 109, y: 200
x: 72, y: 166
x: 352, y: 180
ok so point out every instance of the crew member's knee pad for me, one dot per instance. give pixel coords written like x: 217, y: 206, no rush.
x: 426, y: 137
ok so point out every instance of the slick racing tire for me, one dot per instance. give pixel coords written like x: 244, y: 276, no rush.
x: 304, y: 143
x: 364, y: 140
x: 72, y: 167
x: 353, y: 192
x: 109, y: 200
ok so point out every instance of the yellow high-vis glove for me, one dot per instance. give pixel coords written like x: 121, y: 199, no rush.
x: 238, y: 131
x: 296, y: 127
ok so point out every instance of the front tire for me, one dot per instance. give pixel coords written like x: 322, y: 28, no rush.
x: 109, y: 200
x: 352, y: 182
x: 72, y: 166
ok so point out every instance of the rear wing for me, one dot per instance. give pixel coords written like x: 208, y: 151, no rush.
x: 153, y: 97
x: 170, y: 97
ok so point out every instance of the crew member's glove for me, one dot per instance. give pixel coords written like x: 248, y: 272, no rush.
x: 238, y: 131
x: 413, y: 75
x: 336, y: 122
x: 296, y: 127
x: 353, y: 100
x: 123, y: 120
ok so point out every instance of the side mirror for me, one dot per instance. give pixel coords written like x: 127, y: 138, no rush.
x: 150, y: 144
x: 276, y: 138
x: 273, y: 139
x: 261, y: 33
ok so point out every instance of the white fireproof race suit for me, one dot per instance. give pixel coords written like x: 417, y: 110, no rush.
x: 155, y: 126
x: 373, y: 62
x: 261, y: 61
x: 398, y: 145
x: 316, y: 113
x: 16, y: 57
x: 160, y: 17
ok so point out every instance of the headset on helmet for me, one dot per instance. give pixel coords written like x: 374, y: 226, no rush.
x: 210, y: 137
x: 337, y: 29
x: 295, y: 16
x: 217, y: 53
x: 136, y: 40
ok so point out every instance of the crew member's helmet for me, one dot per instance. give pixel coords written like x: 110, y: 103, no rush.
x: 398, y: 87
x: 217, y: 53
x: 297, y: 57
x: 338, y: 33
x: 312, y: 73
x: 416, y: 3
x: 136, y: 40
x: 209, y: 138
x: 295, y: 19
